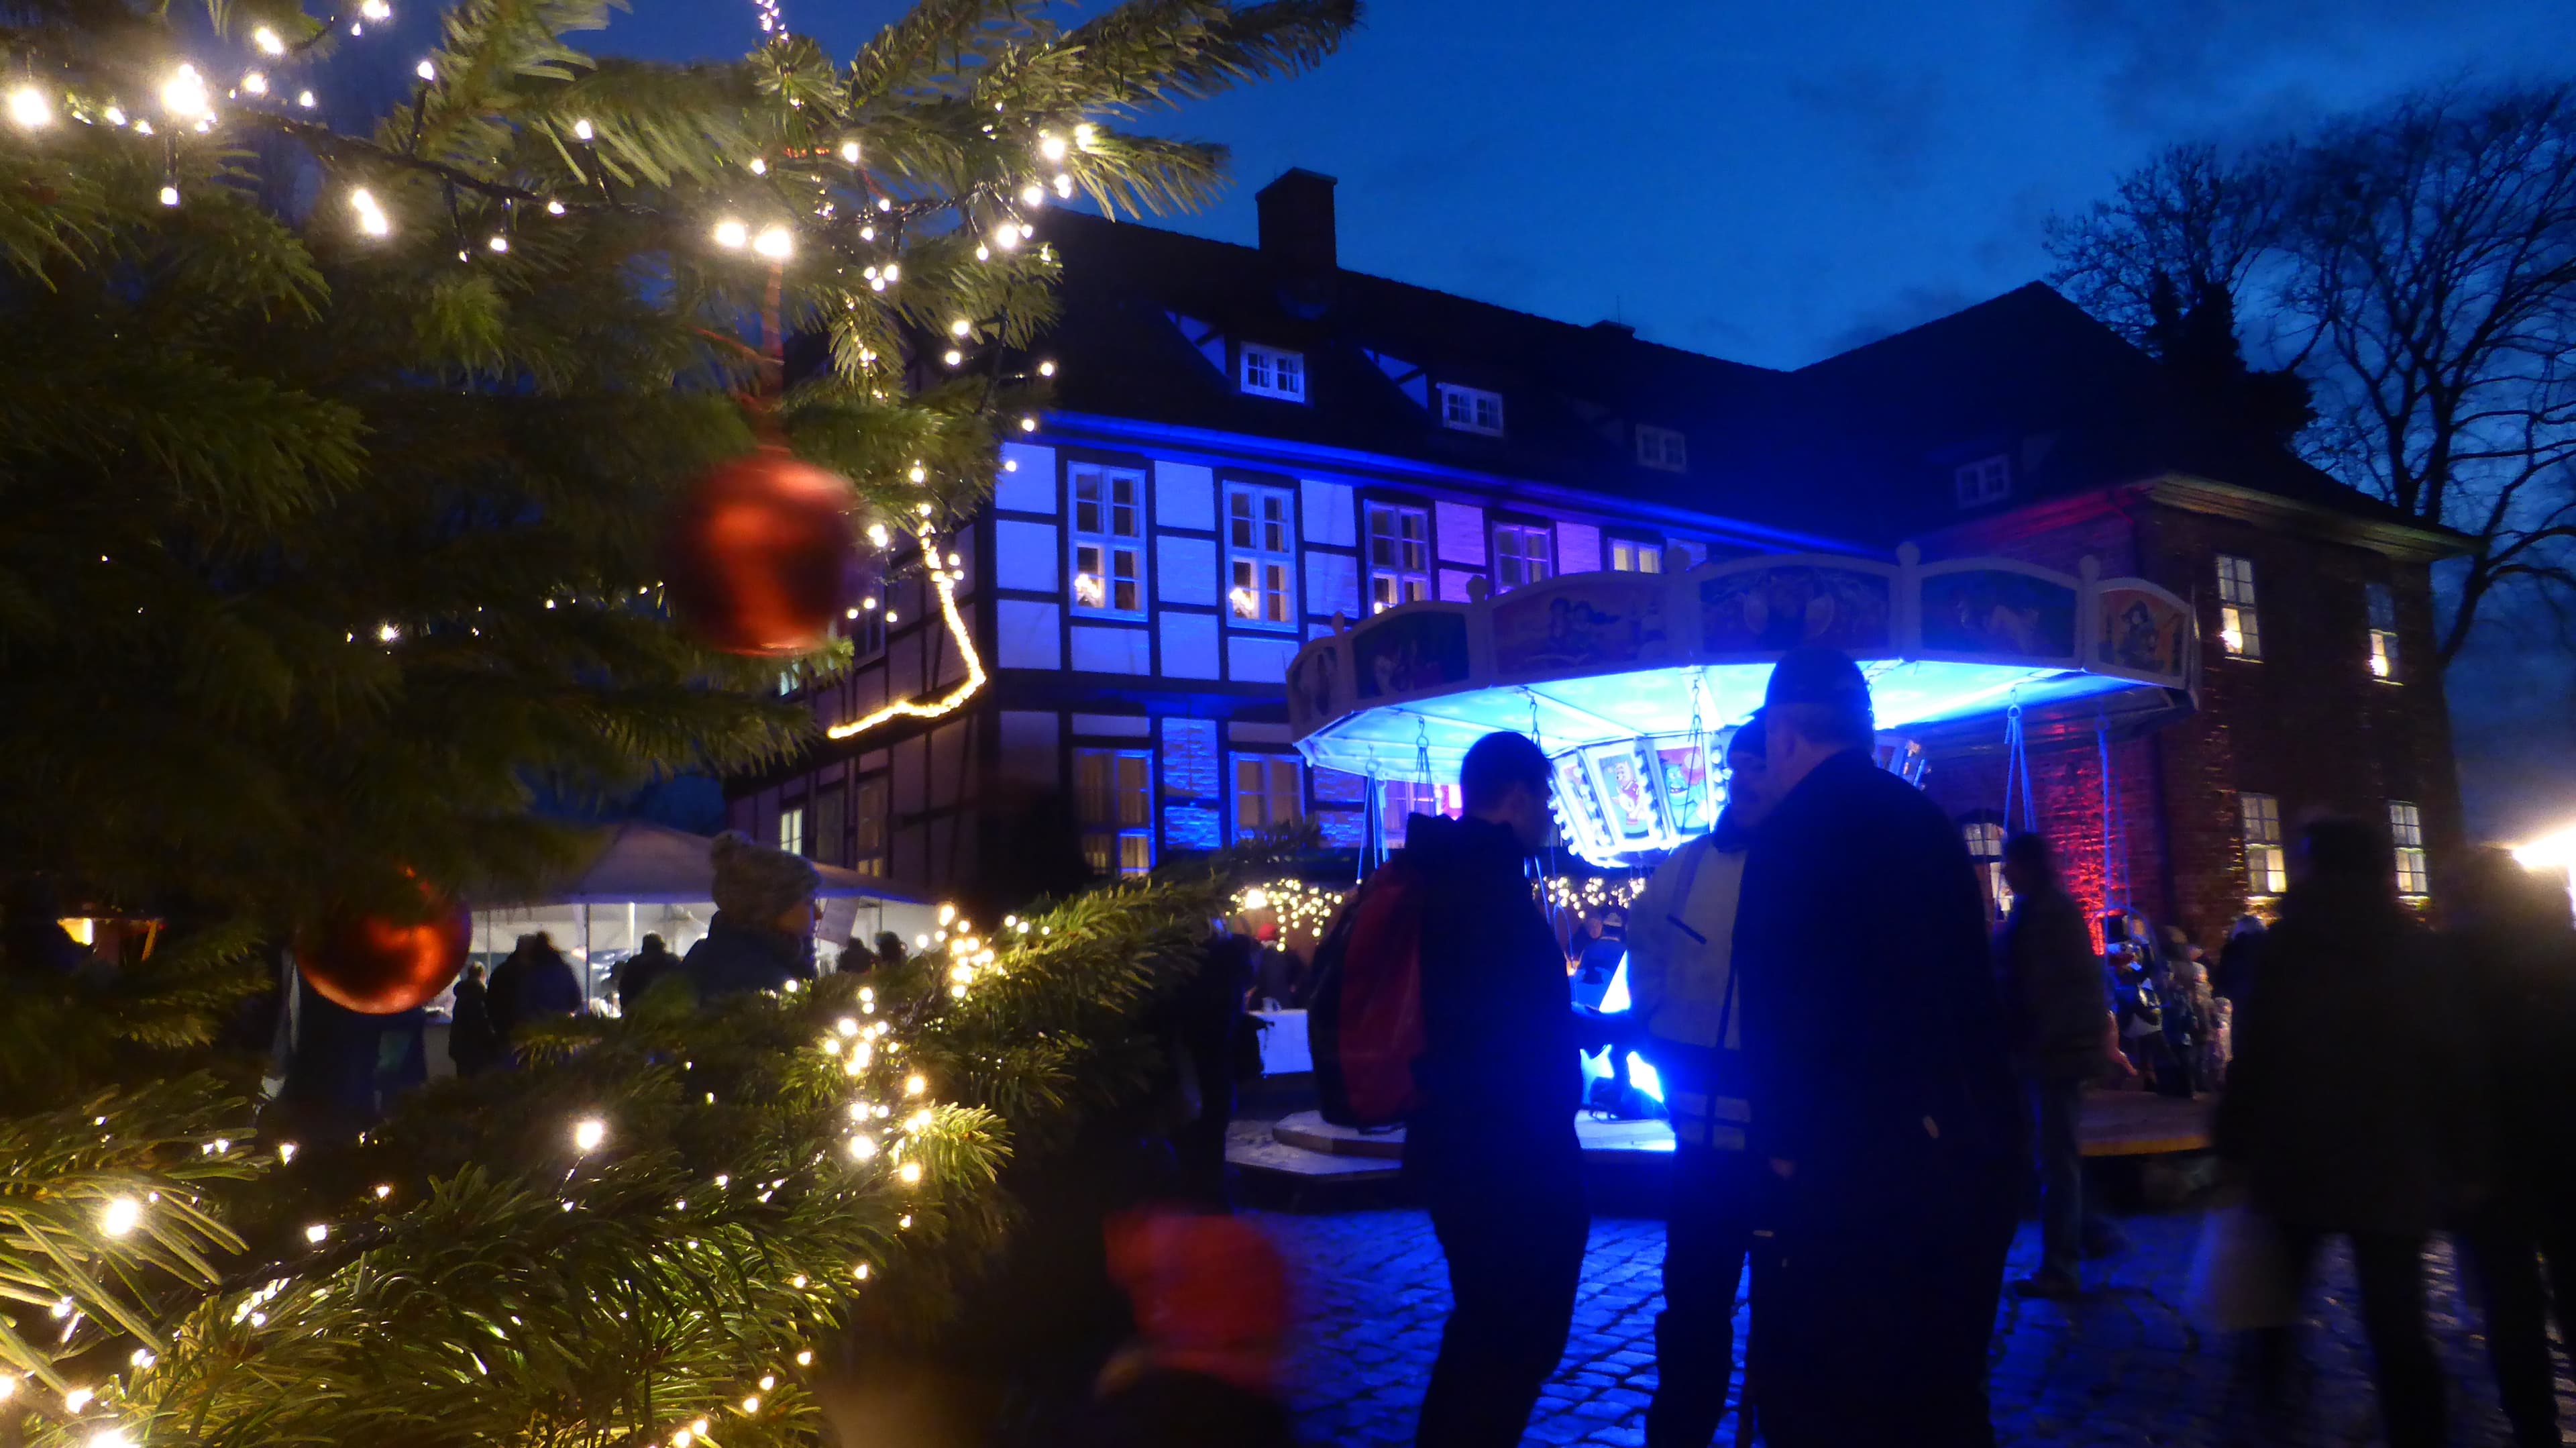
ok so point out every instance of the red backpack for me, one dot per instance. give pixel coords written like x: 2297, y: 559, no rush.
x: 1365, y: 1023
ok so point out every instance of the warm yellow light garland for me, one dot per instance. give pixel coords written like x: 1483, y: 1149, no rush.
x: 944, y: 580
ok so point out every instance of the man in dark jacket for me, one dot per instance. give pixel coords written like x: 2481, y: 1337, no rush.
x: 1493, y: 1146
x: 2060, y: 1033
x: 762, y: 936
x: 1881, y: 1089
x: 642, y: 970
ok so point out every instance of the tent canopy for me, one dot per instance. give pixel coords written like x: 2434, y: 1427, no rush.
x: 651, y: 864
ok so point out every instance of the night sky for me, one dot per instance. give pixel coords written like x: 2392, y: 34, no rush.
x: 1776, y: 183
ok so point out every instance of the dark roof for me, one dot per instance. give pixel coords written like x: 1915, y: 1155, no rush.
x: 1859, y: 446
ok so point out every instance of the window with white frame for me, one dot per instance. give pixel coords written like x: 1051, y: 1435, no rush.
x: 1522, y: 554
x: 1270, y: 372
x: 1630, y: 556
x: 2267, y: 869
x: 1261, y: 555
x: 868, y: 826
x: 1987, y: 480
x: 1985, y: 840
x: 2240, y: 629
x: 1267, y: 793
x: 1113, y: 797
x: 1108, y: 541
x: 2406, y: 830
x: 1471, y: 409
x: 1399, y: 555
x: 1662, y: 449
x: 791, y: 829
x: 2383, y: 631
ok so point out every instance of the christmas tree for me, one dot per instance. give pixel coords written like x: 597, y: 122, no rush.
x: 335, y: 469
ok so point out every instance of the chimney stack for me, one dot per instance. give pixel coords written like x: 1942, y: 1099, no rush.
x: 1297, y: 225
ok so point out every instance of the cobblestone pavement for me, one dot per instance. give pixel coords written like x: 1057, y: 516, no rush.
x: 2122, y: 1367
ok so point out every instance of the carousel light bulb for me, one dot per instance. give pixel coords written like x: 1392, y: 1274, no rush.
x: 28, y: 108
x: 184, y: 93
x: 120, y: 1216
x: 316, y: 1233
x: 850, y: 152
x: 588, y: 1133
x: 255, y: 83
x: 732, y: 235
x: 268, y: 41
x: 775, y: 242
x: 581, y: 131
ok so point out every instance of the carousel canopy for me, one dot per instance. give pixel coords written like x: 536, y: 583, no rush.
x: 1630, y: 681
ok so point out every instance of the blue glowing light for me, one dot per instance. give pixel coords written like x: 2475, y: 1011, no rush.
x: 1641, y: 1074
x: 1615, y: 999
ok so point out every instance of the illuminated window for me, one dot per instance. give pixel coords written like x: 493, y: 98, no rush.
x: 831, y: 824
x: 1267, y: 793
x: 1108, y: 541
x: 2266, y: 867
x: 1985, y: 839
x: 1114, y: 798
x: 1400, y: 799
x: 1628, y: 557
x: 791, y: 829
x: 1987, y: 480
x: 2406, y: 828
x: 868, y: 826
x: 1260, y: 555
x: 1662, y: 449
x: 2240, y: 631
x: 1471, y: 409
x: 2383, y: 632
x: 1399, y: 544
x: 1269, y: 372
x: 1521, y: 555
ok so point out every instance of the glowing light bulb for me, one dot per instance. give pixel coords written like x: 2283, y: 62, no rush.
x: 1051, y: 146
x: 751, y: 1404
x: 316, y: 1233
x: 1063, y: 187
x: 554, y: 208
x: 732, y: 234
x: 425, y: 70
x: 850, y: 152
x: 910, y: 1172
x: 285, y: 1151
x: 588, y: 1133
x: 770, y: 1380
x: 1033, y: 195
x: 255, y: 83
x: 169, y: 195
x: 498, y: 242
x: 1084, y: 134
x: 78, y: 1398
x: 893, y: 272
x: 759, y: 167
x: 862, y: 1147
x: 371, y: 217
x: 776, y: 243
x: 914, y: 1084
x: 383, y: 1191
x: 1028, y: 424
x: 947, y: 915
x: 268, y: 41
x: 184, y: 93
x: 120, y: 1216
x: 115, y: 116
x: 376, y: 10
x: 1046, y: 369
x: 581, y: 131
x: 304, y: 99
x: 960, y: 327
x: 953, y: 357
x: 28, y: 108
x: 805, y: 1359
x: 1008, y: 237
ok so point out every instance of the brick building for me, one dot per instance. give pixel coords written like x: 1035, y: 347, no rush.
x: 1248, y: 441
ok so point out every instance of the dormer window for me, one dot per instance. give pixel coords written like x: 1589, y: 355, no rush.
x: 1662, y: 449
x: 1987, y: 480
x: 1269, y: 372
x: 1471, y: 409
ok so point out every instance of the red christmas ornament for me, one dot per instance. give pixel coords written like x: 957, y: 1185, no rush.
x: 756, y: 557
x: 376, y: 966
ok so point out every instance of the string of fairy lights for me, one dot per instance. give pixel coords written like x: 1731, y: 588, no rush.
x: 1304, y: 909
x: 187, y: 104
x: 890, y: 1113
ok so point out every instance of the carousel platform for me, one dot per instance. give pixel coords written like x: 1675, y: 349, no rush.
x: 1301, y: 1144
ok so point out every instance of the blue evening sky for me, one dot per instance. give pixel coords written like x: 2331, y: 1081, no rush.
x: 1773, y: 183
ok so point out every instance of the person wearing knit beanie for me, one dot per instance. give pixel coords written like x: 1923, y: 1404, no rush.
x: 761, y: 937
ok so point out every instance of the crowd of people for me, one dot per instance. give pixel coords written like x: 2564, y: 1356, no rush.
x: 1866, y: 1087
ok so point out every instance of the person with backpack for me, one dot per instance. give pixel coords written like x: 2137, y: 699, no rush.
x: 1684, y: 1000
x: 1491, y: 1143
x: 1881, y: 1087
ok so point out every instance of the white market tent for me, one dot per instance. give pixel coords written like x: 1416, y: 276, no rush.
x: 651, y: 879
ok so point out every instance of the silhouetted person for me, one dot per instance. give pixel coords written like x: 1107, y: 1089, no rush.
x: 1493, y: 1146
x: 472, y: 1042
x: 762, y: 934
x: 1882, y: 1093
x: 1206, y: 1017
x: 889, y: 950
x: 2513, y: 954
x: 1682, y: 987
x: 545, y: 987
x: 651, y: 961
x: 2060, y: 1033
x: 2236, y: 959
x: 2343, y: 1113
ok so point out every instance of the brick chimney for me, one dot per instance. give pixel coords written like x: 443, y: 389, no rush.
x: 1297, y: 233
